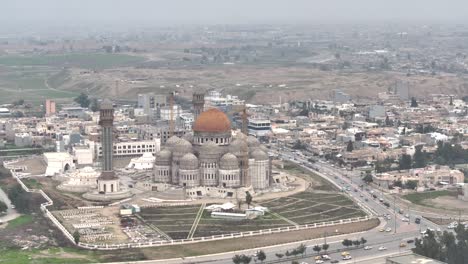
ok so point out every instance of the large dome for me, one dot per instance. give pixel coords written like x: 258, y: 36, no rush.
x: 212, y: 120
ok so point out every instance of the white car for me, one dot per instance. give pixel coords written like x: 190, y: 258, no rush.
x: 326, y: 257
x: 382, y: 248
x: 405, y: 219
x: 319, y: 261
x: 347, y: 257
x: 367, y: 248
x: 389, y: 229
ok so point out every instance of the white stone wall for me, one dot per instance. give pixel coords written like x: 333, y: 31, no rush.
x: 259, y: 174
x: 109, y: 186
x: 162, y: 174
x: 209, y: 174
x: 189, y: 178
x: 229, y: 178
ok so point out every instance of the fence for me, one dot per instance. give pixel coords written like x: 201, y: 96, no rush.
x: 69, y: 236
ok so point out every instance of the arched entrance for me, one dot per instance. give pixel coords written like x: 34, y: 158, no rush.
x: 66, y: 167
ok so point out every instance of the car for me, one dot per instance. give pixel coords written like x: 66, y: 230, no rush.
x: 334, y: 261
x: 417, y: 220
x: 326, y: 257
x: 389, y: 217
x: 405, y: 219
x: 409, y: 241
x: 381, y: 230
x: 365, y: 199
x: 402, y: 245
x: 407, y: 215
x: 344, y: 253
x: 12, y: 206
x: 319, y: 261
x: 381, y: 248
x: 318, y: 257
x: 348, y: 257
x: 388, y: 229
x: 367, y: 248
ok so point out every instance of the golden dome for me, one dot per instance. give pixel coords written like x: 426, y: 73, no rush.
x: 212, y: 120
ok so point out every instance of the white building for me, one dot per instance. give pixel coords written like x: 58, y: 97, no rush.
x: 23, y: 140
x: 58, y: 162
x: 166, y: 112
x: 132, y: 148
x: 259, y: 127
x: 145, y: 162
x: 83, y: 155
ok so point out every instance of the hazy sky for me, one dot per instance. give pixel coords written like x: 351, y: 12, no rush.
x: 232, y: 11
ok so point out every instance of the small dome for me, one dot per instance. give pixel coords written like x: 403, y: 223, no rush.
x: 172, y: 141
x: 106, y: 105
x: 259, y: 155
x: 163, y: 157
x: 182, y: 147
x: 210, y: 152
x: 253, y: 142
x: 213, y: 120
x: 189, y: 162
x: 238, y: 147
x: 240, y: 135
x: 228, y: 162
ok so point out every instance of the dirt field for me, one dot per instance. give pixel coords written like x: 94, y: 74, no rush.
x: 252, y: 242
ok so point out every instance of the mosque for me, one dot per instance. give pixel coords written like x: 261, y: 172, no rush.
x: 212, y: 156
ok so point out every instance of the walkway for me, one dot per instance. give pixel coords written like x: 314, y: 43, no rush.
x: 197, y: 220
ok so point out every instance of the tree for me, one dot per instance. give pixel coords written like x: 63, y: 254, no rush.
x: 419, y: 158
x: 414, y: 103
x: 3, y: 207
x: 325, y: 247
x: 301, y: 249
x: 368, y: 178
x: 350, y: 146
x: 412, y: 184
x: 405, y: 162
x: 347, y: 243
x: 357, y: 242
x: 237, y: 259
x: 82, y: 100
x: 248, y: 199
x: 317, y: 249
x: 279, y: 255
x: 261, y: 255
x: 363, y: 241
x: 76, y: 236
x: 246, y: 259
x: 94, y: 105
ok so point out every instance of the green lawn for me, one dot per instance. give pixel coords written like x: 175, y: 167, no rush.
x: 81, y: 60
x: 22, y: 220
x: 418, y: 198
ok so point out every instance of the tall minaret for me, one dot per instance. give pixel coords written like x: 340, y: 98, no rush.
x: 198, y: 102
x: 108, y: 182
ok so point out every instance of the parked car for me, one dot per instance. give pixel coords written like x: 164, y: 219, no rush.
x: 410, y: 241
x: 348, y: 257
x: 381, y: 248
x: 367, y: 248
x: 389, y: 229
x: 334, y: 261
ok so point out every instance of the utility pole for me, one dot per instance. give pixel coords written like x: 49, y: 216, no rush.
x: 394, y: 213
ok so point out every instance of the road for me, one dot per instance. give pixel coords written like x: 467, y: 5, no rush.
x: 11, y: 213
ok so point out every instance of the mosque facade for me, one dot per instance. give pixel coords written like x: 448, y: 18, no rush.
x: 212, y: 156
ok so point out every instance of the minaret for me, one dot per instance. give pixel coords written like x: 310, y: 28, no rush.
x: 198, y: 102
x: 108, y: 182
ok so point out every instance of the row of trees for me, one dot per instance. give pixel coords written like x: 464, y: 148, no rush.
x: 347, y: 242
x: 84, y: 101
x: 447, y: 247
x: 450, y: 154
x: 3, y: 207
x: 24, y: 202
